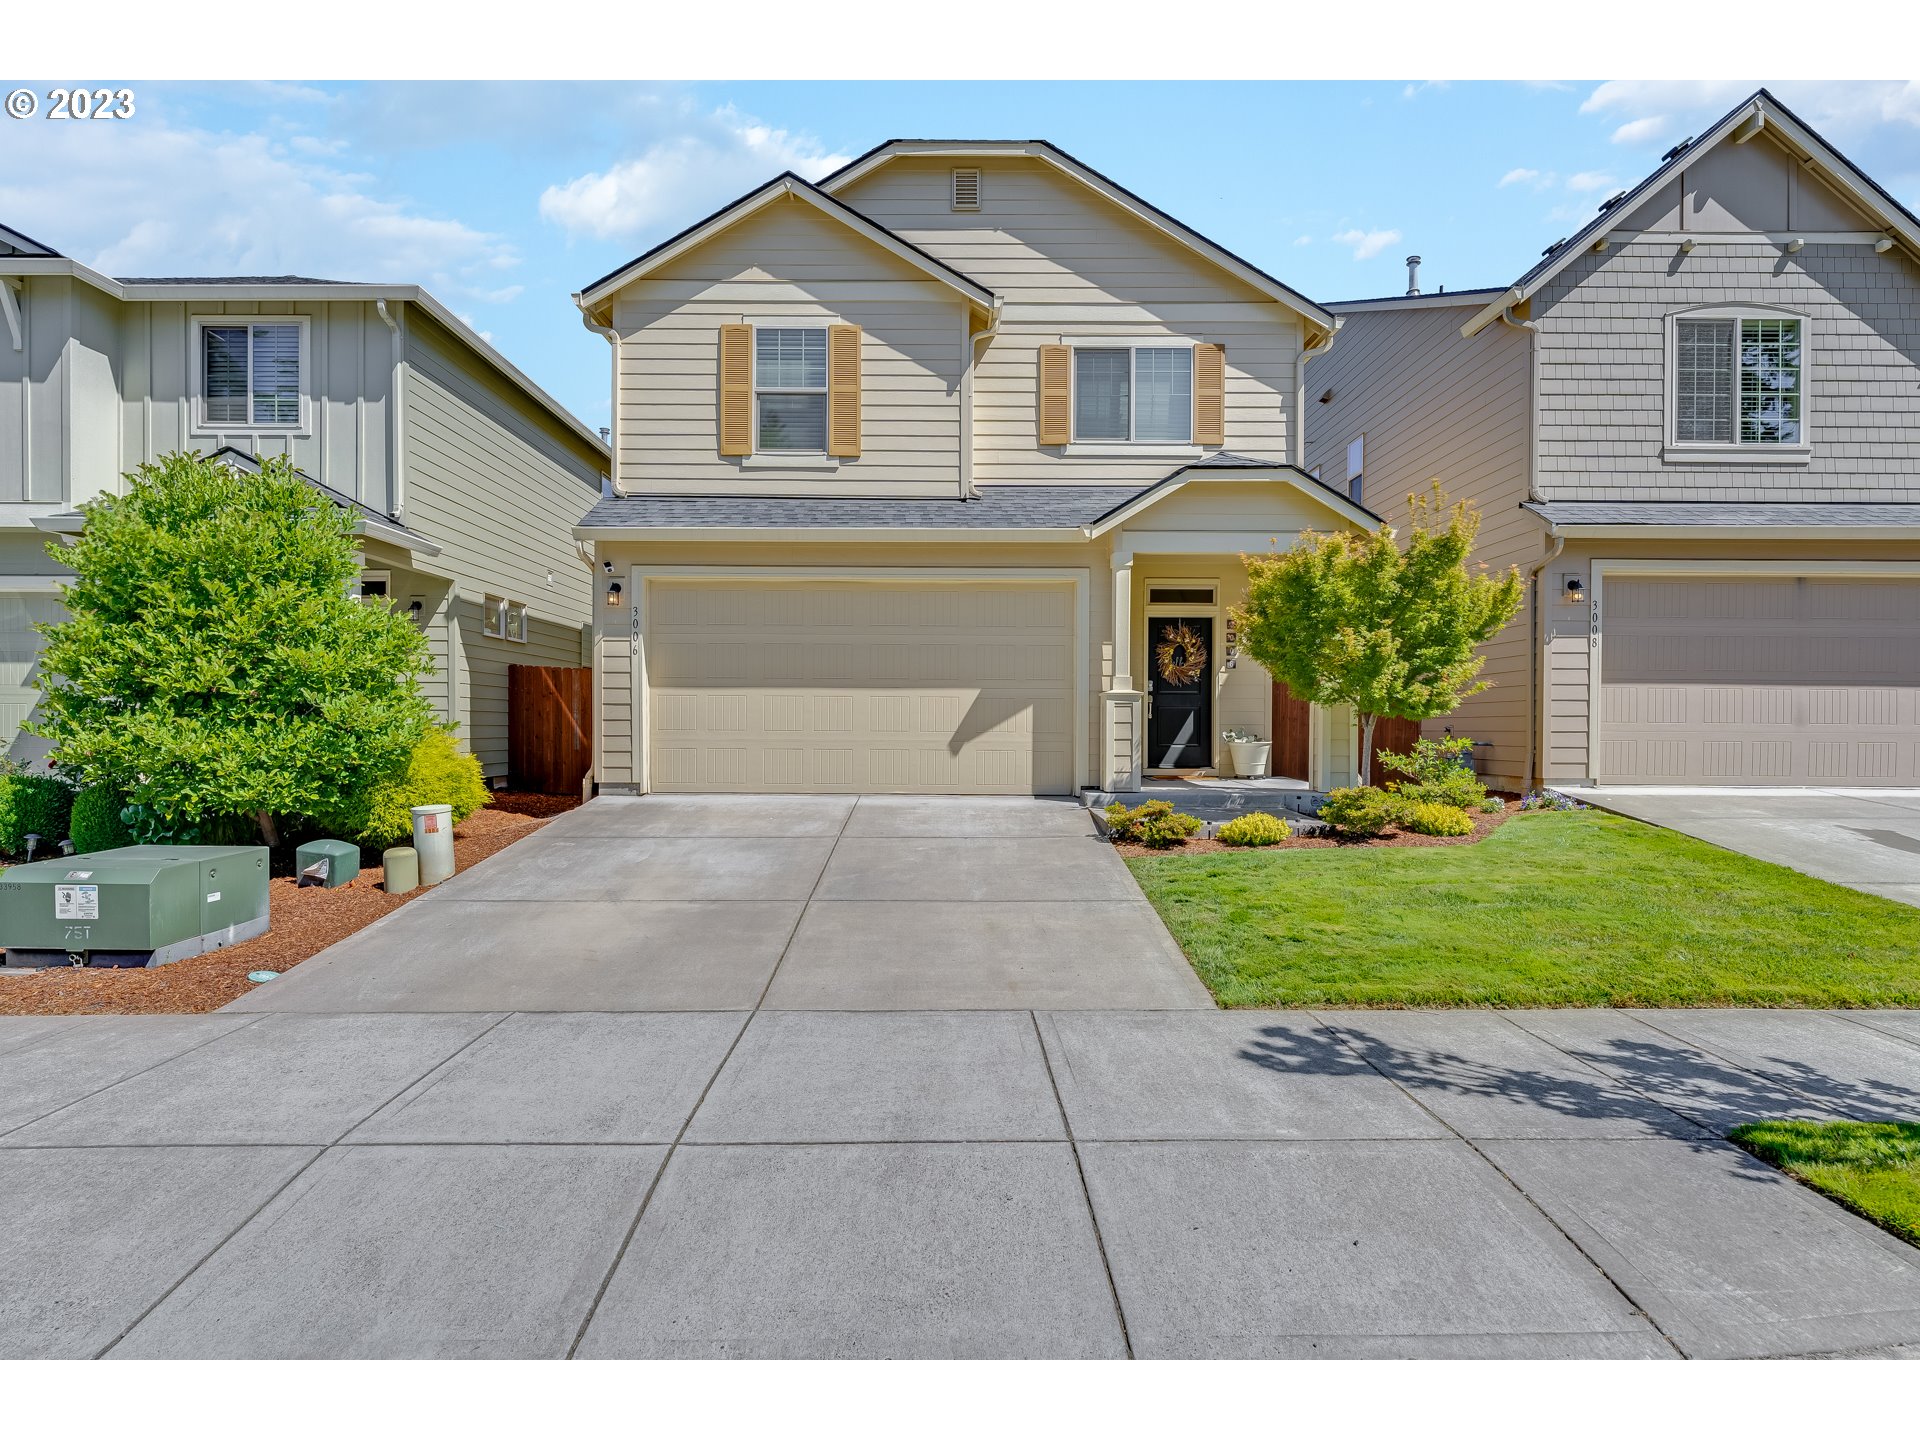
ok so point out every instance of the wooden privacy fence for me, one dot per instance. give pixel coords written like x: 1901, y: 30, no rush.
x: 549, y: 727
x: 1290, y: 750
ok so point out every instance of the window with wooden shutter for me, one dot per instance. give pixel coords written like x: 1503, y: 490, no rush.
x: 736, y: 389
x: 1209, y: 395
x: 843, y: 390
x: 1056, y: 394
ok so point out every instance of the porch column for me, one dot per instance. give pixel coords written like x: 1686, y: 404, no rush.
x: 1121, y: 705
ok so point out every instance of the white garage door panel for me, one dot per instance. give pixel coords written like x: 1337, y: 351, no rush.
x: 894, y: 687
x: 1760, y: 680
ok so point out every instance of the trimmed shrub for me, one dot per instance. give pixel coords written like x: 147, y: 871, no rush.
x: 98, y: 821
x: 1254, y: 830
x: 1438, y: 772
x: 1492, y: 805
x: 437, y: 773
x: 1360, y: 810
x: 1428, y: 819
x: 34, y: 805
x: 1156, y: 824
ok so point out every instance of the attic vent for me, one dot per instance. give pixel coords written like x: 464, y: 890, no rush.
x: 1677, y: 149
x: 966, y: 189
x: 1554, y: 246
x: 1611, y: 201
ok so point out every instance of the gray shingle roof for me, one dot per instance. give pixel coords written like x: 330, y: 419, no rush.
x: 222, y: 280
x: 250, y: 464
x: 1690, y: 512
x: 1000, y: 507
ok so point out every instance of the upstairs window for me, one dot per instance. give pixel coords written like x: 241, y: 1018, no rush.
x: 790, y: 389
x: 1739, y: 380
x: 1140, y: 393
x: 250, y: 375
x: 1356, y: 468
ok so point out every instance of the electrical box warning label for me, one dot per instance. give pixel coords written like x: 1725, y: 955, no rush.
x: 76, y: 902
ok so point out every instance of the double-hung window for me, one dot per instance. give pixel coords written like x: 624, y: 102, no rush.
x: 790, y: 388
x: 1738, y: 380
x: 1132, y: 394
x: 250, y: 374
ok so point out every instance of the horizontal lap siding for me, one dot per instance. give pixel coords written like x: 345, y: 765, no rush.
x: 1068, y: 263
x: 790, y: 261
x: 499, y: 486
x: 1436, y: 407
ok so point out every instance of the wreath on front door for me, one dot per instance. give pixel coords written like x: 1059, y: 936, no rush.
x: 1181, y: 655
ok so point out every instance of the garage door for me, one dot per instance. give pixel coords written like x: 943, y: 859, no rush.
x: 20, y: 611
x: 943, y: 688
x: 1760, y: 680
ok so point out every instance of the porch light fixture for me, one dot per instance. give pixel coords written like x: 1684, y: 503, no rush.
x: 613, y: 596
x: 1576, y: 591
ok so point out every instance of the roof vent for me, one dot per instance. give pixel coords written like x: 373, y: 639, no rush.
x: 1554, y: 246
x: 1413, y: 274
x: 966, y: 189
x: 1676, y: 149
x: 1612, y: 200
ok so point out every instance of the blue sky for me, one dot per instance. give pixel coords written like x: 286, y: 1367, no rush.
x: 504, y: 198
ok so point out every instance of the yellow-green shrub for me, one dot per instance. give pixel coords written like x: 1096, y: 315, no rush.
x: 436, y: 774
x: 1258, y: 828
x: 1359, y: 810
x: 1430, y: 819
x: 1156, y: 824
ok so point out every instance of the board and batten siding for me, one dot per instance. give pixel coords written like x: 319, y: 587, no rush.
x: 1602, y: 335
x: 1070, y: 263
x: 498, y: 484
x: 1438, y: 408
x: 789, y: 260
x: 57, y: 395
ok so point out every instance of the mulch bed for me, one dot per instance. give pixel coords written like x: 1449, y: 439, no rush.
x: 1483, y: 826
x: 305, y: 922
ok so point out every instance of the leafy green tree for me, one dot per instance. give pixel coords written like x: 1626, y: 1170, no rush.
x: 1360, y: 620
x: 218, y: 665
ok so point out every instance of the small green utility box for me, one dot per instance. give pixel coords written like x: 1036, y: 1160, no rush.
x: 138, y: 905
x: 328, y: 863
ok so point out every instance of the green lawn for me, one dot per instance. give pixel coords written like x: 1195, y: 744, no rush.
x: 1871, y: 1169
x: 1555, y: 908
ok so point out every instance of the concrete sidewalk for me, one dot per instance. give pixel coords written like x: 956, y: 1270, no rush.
x: 939, y: 1183
x: 1864, y: 839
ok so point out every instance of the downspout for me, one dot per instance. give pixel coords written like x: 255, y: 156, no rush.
x: 399, y: 489
x: 607, y: 333
x: 968, y: 490
x: 1297, y: 441
x: 591, y: 784
x: 1535, y: 711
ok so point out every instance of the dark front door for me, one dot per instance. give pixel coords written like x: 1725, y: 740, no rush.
x: 1180, y: 666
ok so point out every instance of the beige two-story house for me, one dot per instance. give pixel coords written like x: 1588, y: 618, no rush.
x: 935, y: 477
x: 1696, y: 424
x: 465, y: 478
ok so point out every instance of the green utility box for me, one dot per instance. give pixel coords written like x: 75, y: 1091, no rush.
x: 138, y: 905
x: 329, y: 863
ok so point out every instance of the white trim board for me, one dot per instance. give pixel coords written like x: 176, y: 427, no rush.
x: 639, y: 576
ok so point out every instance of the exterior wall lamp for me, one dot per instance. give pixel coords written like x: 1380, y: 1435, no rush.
x: 1576, y: 590
x: 613, y: 596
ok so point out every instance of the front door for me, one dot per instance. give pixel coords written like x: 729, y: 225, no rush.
x: 1180, y: 685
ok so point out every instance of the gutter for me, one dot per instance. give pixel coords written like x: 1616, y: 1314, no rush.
x: 1297, y: 442
x: 1496, y: 309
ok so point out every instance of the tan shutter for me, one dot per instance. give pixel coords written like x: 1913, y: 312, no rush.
x: 1210, y: 395
x: 1056, y: 419
x: 736, y: 389
x: 843, y: 390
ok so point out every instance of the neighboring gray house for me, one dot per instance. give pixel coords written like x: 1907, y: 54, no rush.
x: 467, y: 477
x: 1696, y: 424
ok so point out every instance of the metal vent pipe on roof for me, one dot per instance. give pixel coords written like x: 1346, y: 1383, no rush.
x: 1413, y: 274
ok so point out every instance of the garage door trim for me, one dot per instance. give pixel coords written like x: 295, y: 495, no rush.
x: 640, y: 576
x: 1597, y: 614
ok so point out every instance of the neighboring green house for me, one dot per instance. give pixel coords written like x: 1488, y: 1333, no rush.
x: 467, y: 477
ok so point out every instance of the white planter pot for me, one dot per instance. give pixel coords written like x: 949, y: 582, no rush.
x: 1250, y: 757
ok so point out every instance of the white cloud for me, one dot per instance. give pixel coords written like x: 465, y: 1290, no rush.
x: 1366, y: 243
x: 160, y: 199
x: 1841, y: 107
x: 684, y: 176
x: 1412, y: 90
x: 1638, y: 132
x: 1589, y: 180
x: 1520, y: 175
x: 1303, y: 239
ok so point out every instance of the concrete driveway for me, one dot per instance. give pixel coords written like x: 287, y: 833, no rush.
x: 1864, y: 839
x: 798, y: 902
x: 939, y: 1183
